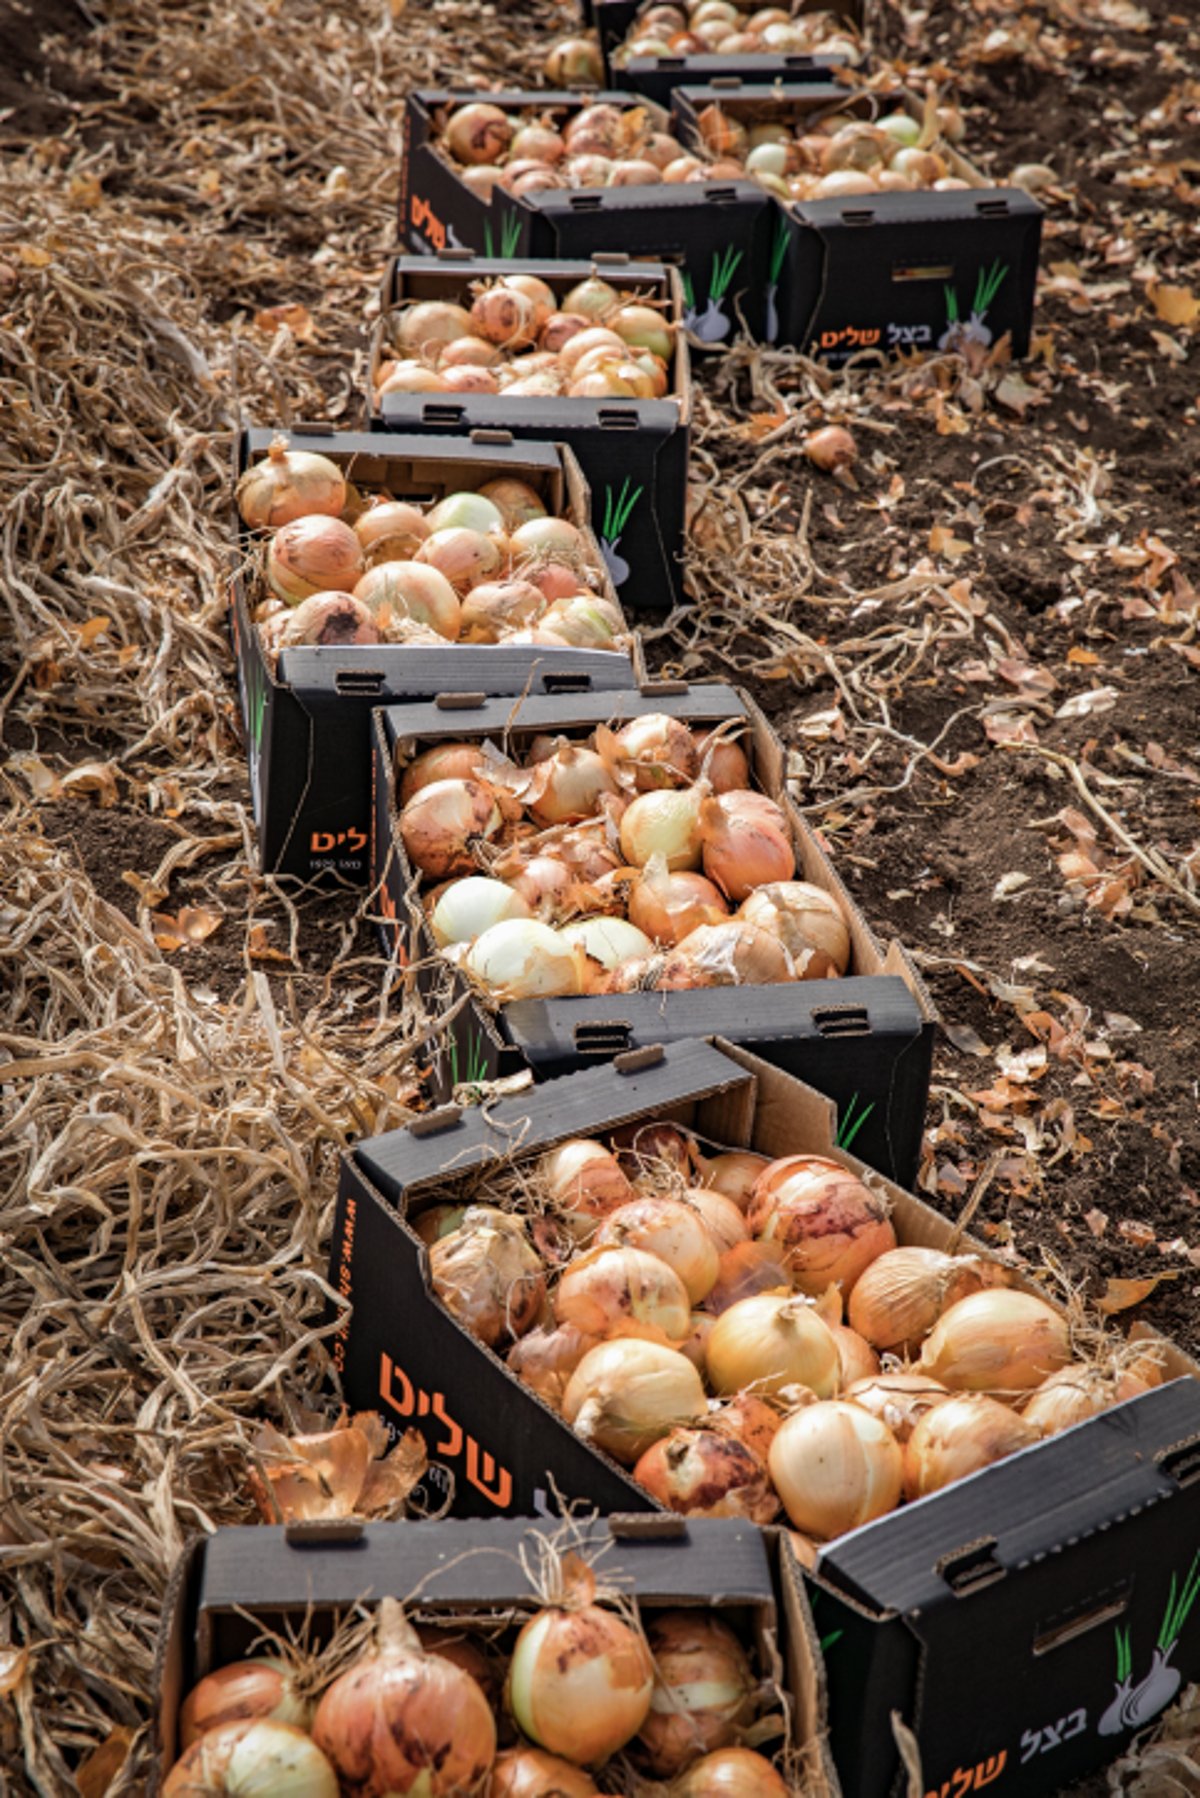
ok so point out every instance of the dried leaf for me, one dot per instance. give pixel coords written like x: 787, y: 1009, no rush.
x: 1174, y: 305
x: 1084, y: 705
x: 943, y: 542
x: 197, y: 922
x: 1096, y: 1221
x: 93, y: 628
x: 1082, y: 658
x: 1010, y: 884
x: 297, y: 318
x: 99, y: 778
x: 1121, y: 1295
x: 14, y: 1664
x: 1009, y: 727
x: 98, y: 1773
x: 260, y: 949
x: 966, y: 1040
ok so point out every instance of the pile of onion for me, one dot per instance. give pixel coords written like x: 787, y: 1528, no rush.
x: 486, y: 566
x: 806, y: 155
x: 636, y: 860
x: 515, y: 336
x: 719, y: 28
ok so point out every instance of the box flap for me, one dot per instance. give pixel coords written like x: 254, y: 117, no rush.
x: 429, y: 721
x: 400, y: 670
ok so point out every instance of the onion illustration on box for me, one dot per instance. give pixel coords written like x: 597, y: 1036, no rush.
x: 714, y: 324
x: 1132, y: 1706
x: 960, y: 331
x: 617, y: 509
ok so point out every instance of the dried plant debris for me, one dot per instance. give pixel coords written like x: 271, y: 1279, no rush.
x: 980, y: 640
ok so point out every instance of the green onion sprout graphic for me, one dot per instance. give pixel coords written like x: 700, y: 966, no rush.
x: 849, y: 1125
x: 617, y: 508
x: 987, y: 287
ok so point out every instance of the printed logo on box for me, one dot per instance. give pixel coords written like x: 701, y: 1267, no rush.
x: 324, y: 842
x: 481, y: 1468
x: 434, y: 235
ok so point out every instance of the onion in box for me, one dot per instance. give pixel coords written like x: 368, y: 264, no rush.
x: 472, y: 905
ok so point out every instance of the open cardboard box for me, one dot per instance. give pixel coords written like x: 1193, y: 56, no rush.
x: 658, y: 76
x: 990, y: 1616
x: 633, y: 453
x: 718, y: 232
x: 226, y: 1585
x: 307, y: 715
x: 890, y: 271
x: 865, y: 1039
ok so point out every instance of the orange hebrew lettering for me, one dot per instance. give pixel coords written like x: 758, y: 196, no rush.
x: 395, y: 1387
x: 501, y: 1493
x: 454, y: 1441
x: 992, y: 1767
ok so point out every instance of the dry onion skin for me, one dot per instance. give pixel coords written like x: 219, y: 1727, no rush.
x: 707, y: 1473
x: 897, y: 1299
x: 532, y: 1773
x: 835, y: 1467
x: 262, y: 1756
x: 963, y: 1436
x: 996, y: 1341
x: 240, y: 1692
x: 704, y: 1690
x: 488, y: 1276
x: 829, y: 1225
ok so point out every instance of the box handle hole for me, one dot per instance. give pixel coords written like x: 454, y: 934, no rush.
x: 1182, y: 1464
x: 363, y: 682
x: 602, y: 1039
x: 970, y: 1569
x: 566, y: 683
x: 843, y: 1020
x: 441, y: 412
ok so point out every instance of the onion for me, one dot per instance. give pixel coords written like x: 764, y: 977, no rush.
x: 316, y: 554
x: 666, y: 823
x: 549, y: 539
x: 322, y: 618
x: 585, y: 1181
x: 585, y: 621
x: 734, y: 953
x: 856, y: 1358
x: 831, y: 448
x: 469, y: 907
x: 546, y: 885
x: 769, y: 1342
x: 581, y: 1678
x: 412, y: 376
x: 494, y: 607
x: 730, y: 1773
x: 402, y: 1720
x: 1070, y: 1396
x: 645, y: 1146
x: 704, y: 1688
x: 545, y: 1360
x: 808, y: 922
x: 481, y: 178
x: 438, y: 1221
x: 487, y: 1275
x: 723, y: 763
x: 542, y: 144
x: 745, y: 846
x: 462, y: 556
x: 572, y: 63
x: 722, y: 1218
x: 578, y: 347
x: 704, y: 1473
x: 559, y: 329
x: 593, y: 299
x: 425, y: 328
x: 898, y: 1399
x: 695, y: 1343
x: 607, y: 942
x: 996, y: 1340
x: 835, y: 1467
x: 642, y: 326
x: 567, y: 785
x: 685, y: 168
x: 750, y: 1419
x: 289, y: 484
x: 898, y: 1299
x: 517, y: 500
x: 532, y: 1773
x: 966, y: 1434
x: 734, y: 1173
x: 259, y: 1757
x: 469, y: 352
x: 540, y: 296
x: 628, y: 1392
x: 441, y: 822
x: 390, y: 529
x: 468, y: 512
x: 478, y: 133
x: 242, y: 1692
x: 622, y: 1291
x: 829, y: 1225
x: 672, y: 1231
x: 669, y: 906
x: 747, y: 1269
x: 392, y: 591
x: 445, y: 761
x: 656, y: 749
x: 506, y: 316
x: 524, y: 959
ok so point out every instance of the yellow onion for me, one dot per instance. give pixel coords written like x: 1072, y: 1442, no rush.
x: 470, y: 906
x: 445, y: 761
x: 898, y: 1299
x: 808, y: 922
x: 704, y: 1690
x: 898, y: 1399
x: 747, y: 1269
x: 478, y: 133
x: 585, y: 1181
x: 857, y: 1359
x: 411, y: 376
x: 517, y: 500
x: 424, y: 329
x: 1070, y: 1396
x: 487, y: 1275
x: 751, y: 1420
x: 835, y: 1467
x: 241, y: 1692
x: 322, y: 618
x: 628, y: 1392
x: 524, y: 959
x: 1141, y: 1374
x: 585, y: 621
x: 665, y: 823
x: 771, y: 1341
x: 643, y: 327
x: 314, y: 554
x: 403, y: 1720
x: 746, y: 842
x: 648, y: 1148
x: 463, y: 556
x: 437, y: 1221
x: 390, y: 530
x: 453, y: 1645
x: 671, y: 1230
x: 695, y: 1343
x: 828, y: 1223
x: 734, y: 953
x: 544, y: 1360
x: 656, y: 749
x: 723, y: 763
x: 567, y: 785
x: 722, y: 1219
x: 668, y: 907
x: 547, y: 885
x: 503, y: 315
x: 466, y: 511
x: 707, y: 1473
x: 964, y: 1435
x: 260, y: 1756
x: 469, y: 352
x: 495, y: 607
x: 549, y: 539
x: 397, y: 590
x: 532, y: 1773
x: 534, y: 289
x: 734, y: 1173
x: 581, y: 1678
x: 560, y: 327
x: 730, y: 1773
x: 997, y: 1340
x: 622, y: 1291
x: 441, y: 822
x: 574, y: 62
x: 593, y: 298
x: 289, y: 484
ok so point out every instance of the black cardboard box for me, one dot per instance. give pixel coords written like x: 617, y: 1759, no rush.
x: 226, y: 1585
x: 717, y: 232
x: 891, y: 271
x: 1009, y: 1619
x: 866, y: 1039
x: 308, y: 719
x: 633, y: 453
x: 657, y: 77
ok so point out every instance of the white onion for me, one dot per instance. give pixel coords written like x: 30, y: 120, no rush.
x: 470, y: 906
x: 524, y: 959
x: 608, y: 941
